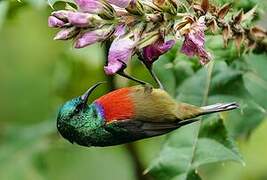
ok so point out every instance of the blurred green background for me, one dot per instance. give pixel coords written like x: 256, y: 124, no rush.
x: 38, y: 74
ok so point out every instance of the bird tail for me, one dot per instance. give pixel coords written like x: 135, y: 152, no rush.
x: 219, y: 107
x: 208, y: 110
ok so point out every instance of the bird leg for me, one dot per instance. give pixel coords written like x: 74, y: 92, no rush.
x: 154, y: 76
x: 122, y: 73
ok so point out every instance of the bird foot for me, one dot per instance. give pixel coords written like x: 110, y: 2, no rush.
x: 148, y: 88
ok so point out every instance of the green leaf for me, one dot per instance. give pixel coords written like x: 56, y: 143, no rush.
x: 52, y: 2
x: 256, y: 78
x: 185, y: 150
x: 183, y: 69
x: 200, y: 143
x: 242, y: 123
x: 229, y: 84
x: 250, y: 89
x: 215, y: 129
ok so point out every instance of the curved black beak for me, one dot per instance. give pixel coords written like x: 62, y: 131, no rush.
x: 86, y: 95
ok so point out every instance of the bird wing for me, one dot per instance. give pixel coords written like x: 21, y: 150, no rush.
x: 139, y: 129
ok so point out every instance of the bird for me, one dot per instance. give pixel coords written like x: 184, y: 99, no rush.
x: 127, y: 114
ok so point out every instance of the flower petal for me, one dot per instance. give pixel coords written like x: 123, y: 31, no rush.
x: 112, y: 67
x: 91, y: 37
x: 55, y: 22
x: 194, y: 42
x: 120, y: 52
x: 152, y: 52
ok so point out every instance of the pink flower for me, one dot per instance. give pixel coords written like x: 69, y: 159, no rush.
x: 90, y: 6
x: 195, y: 41
x: 120, y: 52
x: 55, y: 22
x: 152, y: 52
x: 91, y: 37
x: 120, y: 3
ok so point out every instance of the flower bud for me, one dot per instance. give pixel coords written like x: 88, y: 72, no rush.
x: 66, y: 33
x: 120, y: 52
x: 61, y: 14
x: 91, y: 37
x: 79, y: 19
x: 135, y: 7
x: 148, y: 38
x: 166, y: 5
x: 55, y: 22
x: 96, y: 7
x: 90, y: 6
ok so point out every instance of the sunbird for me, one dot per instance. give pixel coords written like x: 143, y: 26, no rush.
x: 127, y: 114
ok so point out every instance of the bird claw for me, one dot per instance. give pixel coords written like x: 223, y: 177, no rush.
x: 148, y: 88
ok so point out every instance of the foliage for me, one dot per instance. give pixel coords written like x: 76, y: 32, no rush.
x: 211, y: 141
x: 31, y: 148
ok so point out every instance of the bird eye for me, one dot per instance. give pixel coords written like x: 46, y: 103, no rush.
x: 79, y: 108
x: 76, y: 110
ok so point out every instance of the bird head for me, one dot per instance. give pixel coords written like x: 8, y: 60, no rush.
x: 75, y: 114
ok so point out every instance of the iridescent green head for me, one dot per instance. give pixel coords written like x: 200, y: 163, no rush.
x: 75, y: 117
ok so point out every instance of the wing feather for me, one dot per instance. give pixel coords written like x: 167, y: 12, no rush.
x: 138, y: 129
